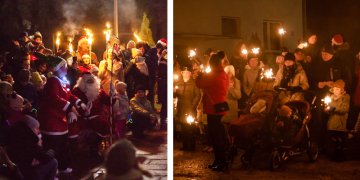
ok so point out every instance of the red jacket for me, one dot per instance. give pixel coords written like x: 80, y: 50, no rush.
x: 215, y: 86
x: 53, y: 107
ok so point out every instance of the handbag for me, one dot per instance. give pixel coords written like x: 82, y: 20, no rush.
x: 219, y: 107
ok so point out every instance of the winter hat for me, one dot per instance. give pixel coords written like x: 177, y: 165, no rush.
x: 16, y: 102
x: 131, y: 44
x: 285, y: 111
x: 289, y: 57
x: 5, y: 88
x: 339, y: 84
x: 56, y: 62
x: 298, y: 50
x: 36, y: 79
x: 327, y: 48
x: 251, y: 55
x: 229, y: 69
x: 163, y: 42
x: 337, y: 40
x: 37, y: 34
x: 120, y: 158
x: 85, y: 56
x: 31, y: 122
x: 119, y: 83
x: 140, y: 87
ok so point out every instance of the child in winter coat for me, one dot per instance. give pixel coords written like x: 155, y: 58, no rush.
x: 121, y: 109
x: 338, y: 110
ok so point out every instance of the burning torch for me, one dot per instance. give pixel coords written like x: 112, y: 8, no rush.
x: 71, y: 49
x: 138, y: 39
x: 57, y: 42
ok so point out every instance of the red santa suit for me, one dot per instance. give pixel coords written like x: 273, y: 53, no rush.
x: 54, y: 106
x: 96, y: 118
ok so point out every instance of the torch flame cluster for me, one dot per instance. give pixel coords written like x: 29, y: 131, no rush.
x: 267, y: 74
x: 70, y: 46
x: 57, y: 42
x: 137, y: 37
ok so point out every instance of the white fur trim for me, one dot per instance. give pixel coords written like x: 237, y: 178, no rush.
x: 73, y: 136
x: 61, y: 64
x: 334, y: 42
x: 77, y: 103
x: 162, y: 43
x: 55, y: 133
x: 66, y: 106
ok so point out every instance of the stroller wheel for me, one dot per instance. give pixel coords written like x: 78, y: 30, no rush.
x: 313, y: 151
x: 275, y: 160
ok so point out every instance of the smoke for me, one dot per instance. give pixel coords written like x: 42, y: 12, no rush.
x: 74, y: 12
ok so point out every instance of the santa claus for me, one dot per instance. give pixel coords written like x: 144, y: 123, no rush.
x: 95, y: 117
x: 55, y: 104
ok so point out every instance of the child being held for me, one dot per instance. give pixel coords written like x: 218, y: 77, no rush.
x: 121, y: 109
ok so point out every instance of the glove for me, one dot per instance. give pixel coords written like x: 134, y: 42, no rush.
x: 72, y: 117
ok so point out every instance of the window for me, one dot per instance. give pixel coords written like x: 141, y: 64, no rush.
x: 272, y: 39
x: 230, y: 26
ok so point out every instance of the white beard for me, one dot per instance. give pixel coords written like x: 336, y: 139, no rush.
x: 92, y: 91
x: 143, y: 68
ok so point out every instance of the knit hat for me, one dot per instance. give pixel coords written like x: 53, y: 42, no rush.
x: 120, y: 158
x: 252, y: 55
x: 31, y: 122
x: 56, y: 62
x: 163, y: 42
x: 339, y: 84
x: 131, y: 44
x: 327, y: 48
x: 36, y: 79
x: 289, y: 57
x: 285, y: 111
x: 16, y: 102
x: 119, y: 83
x: 37, y: 34
x: 337, y: 40
x: 114, y: 40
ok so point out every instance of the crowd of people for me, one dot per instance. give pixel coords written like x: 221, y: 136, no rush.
x: 54, y: 102
x: 330, y: 72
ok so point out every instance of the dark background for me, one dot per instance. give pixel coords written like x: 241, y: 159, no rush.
x: 329, y: 17
x: 48, y: 17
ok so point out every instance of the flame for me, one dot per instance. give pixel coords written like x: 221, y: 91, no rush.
x: 57, y: 42
x: 137, y: 37
x: 107, y: 25
x: 190, y: 119
x: 89, y: 36
x: 269, y: 74
x: 244, y: 51
x: 192, y: 53
x: 70, y: 46
x: 176, y: 77
x: 282, y: 31
x: 303, y: 45
x: 208, y: 69
x: 107, y: 35
x: 327, y: 100
x: 176, y: 87
x: 255, y: 50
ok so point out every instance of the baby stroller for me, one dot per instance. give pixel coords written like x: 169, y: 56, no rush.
x: 298, y: 142
x: 252, y: 129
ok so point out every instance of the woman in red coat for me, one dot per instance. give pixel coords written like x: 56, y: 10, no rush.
x: 215, y: 85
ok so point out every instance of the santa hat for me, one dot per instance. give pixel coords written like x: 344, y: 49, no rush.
x: 56, y: 62
x: 337, y: 40
x: 163, y: 42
